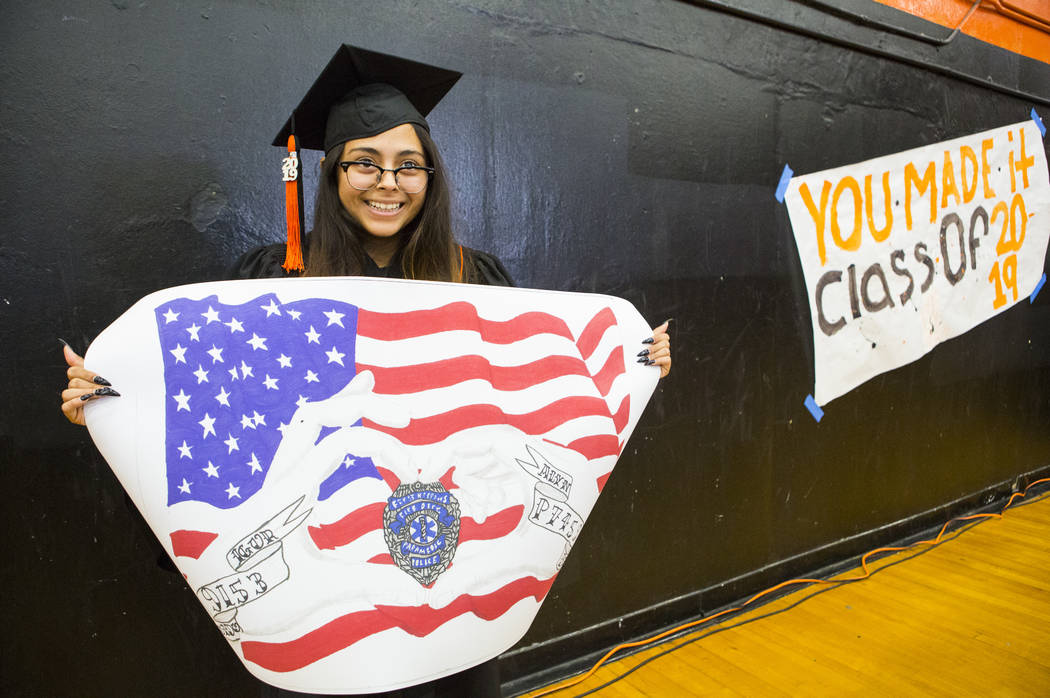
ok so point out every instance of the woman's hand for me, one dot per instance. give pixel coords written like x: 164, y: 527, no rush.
x: 84, y: 385
x: 658, y: 353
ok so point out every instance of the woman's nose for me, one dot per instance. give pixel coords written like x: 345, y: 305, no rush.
x: 385, y: 183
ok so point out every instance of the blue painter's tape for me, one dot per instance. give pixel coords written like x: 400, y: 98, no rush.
x: 814, y: 408
x: 782, y: 187
x: 1038, y: 287
x: 1038, y: 122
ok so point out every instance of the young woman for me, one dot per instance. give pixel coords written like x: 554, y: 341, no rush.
x: 382, y: 210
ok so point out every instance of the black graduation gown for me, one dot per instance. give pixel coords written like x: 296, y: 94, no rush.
x: 265, y: 263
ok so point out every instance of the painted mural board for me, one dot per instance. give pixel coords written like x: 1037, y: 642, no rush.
x: 905, y: 251
x: 368, y: 483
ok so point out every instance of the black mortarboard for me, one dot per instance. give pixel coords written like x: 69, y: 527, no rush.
x: 359, y: 94
x: 362, y: 93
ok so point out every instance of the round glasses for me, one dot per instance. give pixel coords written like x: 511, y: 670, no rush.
x: 363, y: 175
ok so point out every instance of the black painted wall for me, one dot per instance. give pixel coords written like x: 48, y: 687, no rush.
x: 619, y: 147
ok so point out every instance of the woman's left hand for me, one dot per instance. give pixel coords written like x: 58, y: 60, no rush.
x: 658, y: 351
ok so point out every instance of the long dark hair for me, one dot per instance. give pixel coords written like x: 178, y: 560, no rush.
x: 428, y: 249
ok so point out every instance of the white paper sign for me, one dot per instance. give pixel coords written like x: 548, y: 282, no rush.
x: 905, y: 251
x: 368, y: 483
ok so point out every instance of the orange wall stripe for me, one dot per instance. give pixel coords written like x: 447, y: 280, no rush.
x: 988, y: 23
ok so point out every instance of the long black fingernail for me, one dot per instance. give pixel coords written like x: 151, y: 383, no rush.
x: 107, y: 391
x: 86, y: 396
x: 643, y: 360
x: 643, y: 352
x: 99, y: 380
x: 64, y: 342
x: 650, y: 362
x: 648, y: 340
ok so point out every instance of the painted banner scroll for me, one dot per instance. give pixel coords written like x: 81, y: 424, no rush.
x: 905, y: 251
x: 368, y: 483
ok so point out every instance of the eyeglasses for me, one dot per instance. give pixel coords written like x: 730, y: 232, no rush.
x: 363, y: 175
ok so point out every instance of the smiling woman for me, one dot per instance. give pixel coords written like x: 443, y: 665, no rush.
x: 384, y: 205
x: 383, y: 201
x: 366, y: 181
x: 376, y: 216
x: 383, y: 211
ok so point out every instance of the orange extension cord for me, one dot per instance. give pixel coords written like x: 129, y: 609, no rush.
x: 864, y: 575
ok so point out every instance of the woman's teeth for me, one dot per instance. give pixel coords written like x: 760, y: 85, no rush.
x: 384, y: 207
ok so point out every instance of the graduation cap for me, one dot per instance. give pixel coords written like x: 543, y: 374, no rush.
x: 359, y: 94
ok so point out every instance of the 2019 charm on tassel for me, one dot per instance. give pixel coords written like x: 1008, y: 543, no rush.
x: 292, y: 174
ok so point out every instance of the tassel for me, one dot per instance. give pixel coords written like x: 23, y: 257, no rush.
x: 293, y: 207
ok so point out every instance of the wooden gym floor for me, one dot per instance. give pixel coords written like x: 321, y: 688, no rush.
x: 970, y: 617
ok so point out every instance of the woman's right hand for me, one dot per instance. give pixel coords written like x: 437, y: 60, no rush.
x: 84, y: 385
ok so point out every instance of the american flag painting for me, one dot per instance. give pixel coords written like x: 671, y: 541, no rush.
x: 229, y: 385
x: 369, y: 483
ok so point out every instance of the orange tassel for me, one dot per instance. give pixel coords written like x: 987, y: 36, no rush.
x: 293, y: 198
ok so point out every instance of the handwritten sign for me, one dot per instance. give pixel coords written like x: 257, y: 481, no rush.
x: 905, y: 251
x: 368, y: 483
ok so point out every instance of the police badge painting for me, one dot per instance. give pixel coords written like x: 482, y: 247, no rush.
x: 421, y: 525
x: 351, y: 471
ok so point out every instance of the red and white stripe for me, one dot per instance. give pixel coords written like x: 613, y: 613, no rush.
x: 531, y: 372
